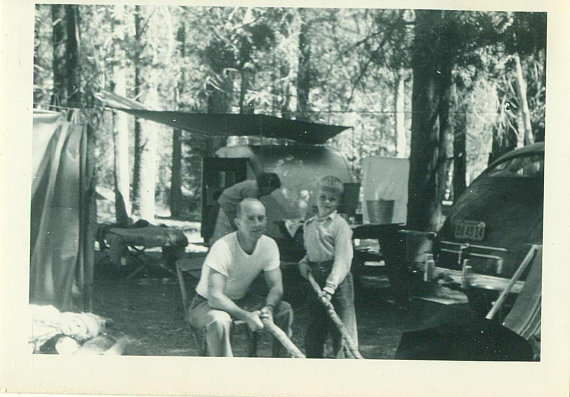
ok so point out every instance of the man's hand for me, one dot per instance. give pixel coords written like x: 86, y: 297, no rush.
x: 266, y: 312
x: 253, y: 321
x: 304, y: 269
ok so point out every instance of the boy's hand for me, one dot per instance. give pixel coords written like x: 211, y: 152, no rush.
x: 304, y: 269
x: 326, y: 296
x: 266, y: 312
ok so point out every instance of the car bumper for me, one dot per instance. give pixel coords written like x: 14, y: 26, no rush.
x: 468, y: 280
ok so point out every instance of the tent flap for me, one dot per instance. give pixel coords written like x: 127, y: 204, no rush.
x: 55, y: 212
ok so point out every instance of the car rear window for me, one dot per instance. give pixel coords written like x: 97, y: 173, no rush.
x: 531, y: 166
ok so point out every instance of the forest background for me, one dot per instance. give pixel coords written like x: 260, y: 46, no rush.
x: 451, y: 90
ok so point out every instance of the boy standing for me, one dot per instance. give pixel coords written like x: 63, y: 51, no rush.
x: 328, y: 241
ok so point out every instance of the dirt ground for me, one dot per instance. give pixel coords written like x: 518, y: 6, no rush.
x: 149, y: 310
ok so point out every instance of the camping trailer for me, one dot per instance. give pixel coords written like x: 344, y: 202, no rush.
x: 299, y: 166
x: 299, y: 163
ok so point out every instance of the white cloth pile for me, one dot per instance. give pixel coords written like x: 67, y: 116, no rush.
x: 70, y: 333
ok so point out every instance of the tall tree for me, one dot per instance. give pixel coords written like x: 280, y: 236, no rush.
x: 397, y: 44
x: 459, y: 145
x: 120, y: 123
x: 442, y: 39
x: 524, y: 36
x: 138, y: 141
x: 175, y: 198
x: 400, y: 112
x: 432, y: 64
x: 144, y: 170
x: 65, y: 41
x: 233, y: 52
x: 524, y: 113
x: 304, y: 65
x: 148, y: 154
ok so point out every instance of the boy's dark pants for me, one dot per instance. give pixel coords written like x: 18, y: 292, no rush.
x: 320, y: 323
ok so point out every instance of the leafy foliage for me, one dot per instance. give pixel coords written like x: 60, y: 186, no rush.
x: 250, y: 58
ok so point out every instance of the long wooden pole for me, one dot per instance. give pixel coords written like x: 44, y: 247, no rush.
x: 349, y: 342
x: 522, y: 267
x: 282, y: 337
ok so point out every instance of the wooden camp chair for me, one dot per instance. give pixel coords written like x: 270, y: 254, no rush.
x: 192, y: 264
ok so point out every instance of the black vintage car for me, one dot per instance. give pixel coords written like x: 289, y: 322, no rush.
x: 495, y: 223
x: 490, y: 247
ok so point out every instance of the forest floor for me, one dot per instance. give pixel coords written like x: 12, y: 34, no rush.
x: 149, y: 310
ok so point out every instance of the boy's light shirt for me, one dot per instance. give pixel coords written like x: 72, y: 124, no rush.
x: 330, y: 238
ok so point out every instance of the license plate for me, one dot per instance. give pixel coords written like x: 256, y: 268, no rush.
x: 471, y: 230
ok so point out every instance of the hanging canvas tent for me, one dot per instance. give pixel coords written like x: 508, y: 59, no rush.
x: 61, y: 249
x: 226, y: 124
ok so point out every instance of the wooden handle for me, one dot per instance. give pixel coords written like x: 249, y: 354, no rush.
x: 282, y: 337
x: 518, y: 273
x: 349, y: 342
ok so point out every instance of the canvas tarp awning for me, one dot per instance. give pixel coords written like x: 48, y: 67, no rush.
x: 226, y: 124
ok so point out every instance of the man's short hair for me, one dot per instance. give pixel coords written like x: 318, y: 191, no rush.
x: 331, y: 184
x: 246, y: 200
x: 268, y: 179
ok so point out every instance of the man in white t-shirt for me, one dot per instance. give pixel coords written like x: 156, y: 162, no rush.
x: 222, y: 294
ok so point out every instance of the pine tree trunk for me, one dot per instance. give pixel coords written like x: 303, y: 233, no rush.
x: 430, y: 126
x: 459, y: 155
x: 60, y: 42
x: 285, y: 106
x: 399, y: 114
x: 72, y: 56
x: 175, y: 201
x: 503, y: 141
x: 65, y: 41
x: 121, y: 140
x: 423, y: 150
x: 445, y: 176
x: 136, y: 189
x: 148, y: 153
x: 304, y: 69
x: 121, y: 155
x: 246, y: 81
x: 37, y: 98
x: 520, y: 85
x: 145, y: 164
x: 219, y: 101
x: 136, y: 186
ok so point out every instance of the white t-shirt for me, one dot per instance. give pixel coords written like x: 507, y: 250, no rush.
x: 228, y: 258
